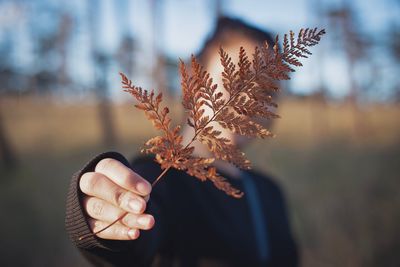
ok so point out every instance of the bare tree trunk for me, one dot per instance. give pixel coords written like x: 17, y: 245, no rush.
x: 320, y: 123
x: 358, y: 116
x: 107, y: 122
x: 7, y: 153
x: 62, y: 39
x: 104, y: 106
x: 354, y: 47
x: 101, y: 61
x: 158, y: 71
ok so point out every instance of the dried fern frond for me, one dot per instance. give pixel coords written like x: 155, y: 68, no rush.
x: 249, y: 86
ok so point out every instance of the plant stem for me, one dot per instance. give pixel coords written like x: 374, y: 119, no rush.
x: 103, y: 229
x: 159, y: 177
x: 125, y: 213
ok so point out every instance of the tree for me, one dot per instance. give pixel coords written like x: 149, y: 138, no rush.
x: 102, y: 62
x: 355, y: 47
x: 7, y: 153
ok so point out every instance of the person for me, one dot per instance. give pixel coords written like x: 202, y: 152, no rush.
x: 181, y: 221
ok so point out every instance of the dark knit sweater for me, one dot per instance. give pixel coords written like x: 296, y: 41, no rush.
x: 196, y: 224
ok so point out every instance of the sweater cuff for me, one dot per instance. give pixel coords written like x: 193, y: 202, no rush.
x: 75, y: 219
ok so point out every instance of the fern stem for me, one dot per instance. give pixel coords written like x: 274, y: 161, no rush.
x: 161, y: 175
x: 125, y: 213
x: 103, y: 229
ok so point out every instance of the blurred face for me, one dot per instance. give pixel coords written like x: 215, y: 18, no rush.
x: 215, y: 68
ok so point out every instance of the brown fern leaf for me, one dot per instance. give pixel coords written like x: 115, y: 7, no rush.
x: 201, y: 169
x: 222, y: 148
x: 249, y: 86
x: 222, y: 184
x: 168, y: 145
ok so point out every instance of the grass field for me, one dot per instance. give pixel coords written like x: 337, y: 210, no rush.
x: 341, y: 178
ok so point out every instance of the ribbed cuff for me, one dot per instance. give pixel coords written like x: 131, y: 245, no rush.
x: 75, y: 218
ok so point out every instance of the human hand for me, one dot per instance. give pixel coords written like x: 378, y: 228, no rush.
x: 111, y: 191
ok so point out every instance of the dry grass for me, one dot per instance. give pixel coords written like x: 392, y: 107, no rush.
x: 38, y: 123
x: 309, y: 122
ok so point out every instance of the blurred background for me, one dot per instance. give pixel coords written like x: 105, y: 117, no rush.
x: 337, y: 150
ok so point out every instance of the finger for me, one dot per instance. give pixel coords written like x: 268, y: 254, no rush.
x: 98, y: 185
x: 103, y: 211
x: 123, y: 176
x: 114, y: 232
x: 143, y: 221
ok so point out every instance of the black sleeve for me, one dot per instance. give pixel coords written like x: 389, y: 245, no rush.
x: 101, y: 252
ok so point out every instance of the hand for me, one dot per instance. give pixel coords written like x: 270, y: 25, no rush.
x: 112, y: 190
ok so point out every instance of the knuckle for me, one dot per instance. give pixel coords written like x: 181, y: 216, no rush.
x: 119, y: 231
x: 105, y: 164
x: 98, y: 208
x: 88, y: 182
x: 128, y: 180
x: 120, y: 198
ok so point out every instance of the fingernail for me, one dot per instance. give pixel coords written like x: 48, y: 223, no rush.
x: 143, y: 188
x: 132, y: 233
x: 143, y: 221
x: 135, y: 205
